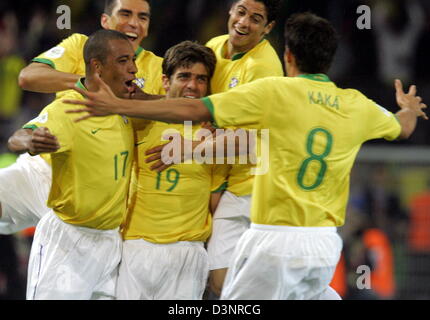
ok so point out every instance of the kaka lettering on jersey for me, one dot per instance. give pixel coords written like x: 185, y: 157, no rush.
x: 322, y: 99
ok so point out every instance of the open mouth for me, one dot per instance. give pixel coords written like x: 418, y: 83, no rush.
x: 131, y: 36
x: 241, y: 33
x: 190, y: 95
x: 129, y: 85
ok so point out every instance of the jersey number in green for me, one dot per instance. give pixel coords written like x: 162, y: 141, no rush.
x: 172, y: 176
x: 315, y: 157
x: 123, y: 154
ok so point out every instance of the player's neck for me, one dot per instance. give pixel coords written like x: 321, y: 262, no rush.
x: 293, y: 71
x: 230, y: 50
x: 89, y: 84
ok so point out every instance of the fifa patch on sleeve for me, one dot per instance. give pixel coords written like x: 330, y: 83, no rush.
x: 43, y: 118
x: 385, y: 111
x: 55, y: 53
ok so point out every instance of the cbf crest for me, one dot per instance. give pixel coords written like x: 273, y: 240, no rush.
x: 140, y: 82
x: 233, y: 83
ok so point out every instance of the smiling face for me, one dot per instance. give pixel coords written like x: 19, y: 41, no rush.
x: 119, y: 69
x: 247, y: 25
x: 187, y: 82
x: 130, y: 17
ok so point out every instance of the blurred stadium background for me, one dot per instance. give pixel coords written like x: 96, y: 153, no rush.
x: 388, y: 218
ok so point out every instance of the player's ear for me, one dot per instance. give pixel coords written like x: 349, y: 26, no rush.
x: 287, y: 54
x: 104, y: 21
x: 166, y: 82
x: 96, y: 66
x: 269, y: 27
x: 233, y: 6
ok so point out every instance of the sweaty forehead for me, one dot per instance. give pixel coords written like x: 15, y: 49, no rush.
x: 119, y: 47
x: 197, y: 69
x: 254, y: 7
x: 132, y: 5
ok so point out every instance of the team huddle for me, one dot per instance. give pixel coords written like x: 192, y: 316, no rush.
x: 112, y: 225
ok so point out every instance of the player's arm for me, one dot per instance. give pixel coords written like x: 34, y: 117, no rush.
x: 40, y: 77
x: 142, y: 95
x: 411, y: 109
x: 35, y: 141
x: 232, y: 144
x: 173, y: 110
x: 214, y: 201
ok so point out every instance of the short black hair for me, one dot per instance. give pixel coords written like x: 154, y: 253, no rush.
x: 97, y: 45
x: 110, y: 4
x: 186, y: 54
x: 312, y: 40
x: 273, y: 8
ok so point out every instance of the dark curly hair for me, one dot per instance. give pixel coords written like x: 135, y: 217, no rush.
x: 110, y: 4
x: 272, y: 8
x: 186, y: 54
x: 312, y: 40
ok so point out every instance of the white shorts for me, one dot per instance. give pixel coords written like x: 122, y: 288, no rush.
x: 149, y: 271
x: 282, y: 263
x: 72, y: 263
x: 24, y: 191
x: 230, y: 221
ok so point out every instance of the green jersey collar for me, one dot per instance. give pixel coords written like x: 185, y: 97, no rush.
x: 316, y: 77
x: 138, y: 51
x: 238, y: 56
x: 80, y: 84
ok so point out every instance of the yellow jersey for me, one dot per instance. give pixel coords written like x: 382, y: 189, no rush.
x: 260, y: 62
x: 91, y: 170
x: 68, y: 56
x: 172, y: 205
x: 315, y: 132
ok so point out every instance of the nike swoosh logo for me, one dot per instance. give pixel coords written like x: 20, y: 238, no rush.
x: 139, y: 143
x: 95, y: 131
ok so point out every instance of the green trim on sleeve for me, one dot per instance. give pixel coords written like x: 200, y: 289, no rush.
x: 208, y: 104
x: 44, y: 61
x: 80, y: 84
x: 222, y: 188
x: 30, y: 126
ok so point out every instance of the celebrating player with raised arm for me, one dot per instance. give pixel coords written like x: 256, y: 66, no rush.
x: 77, y: 245
x: 316, y: 131
x: 55, y: 71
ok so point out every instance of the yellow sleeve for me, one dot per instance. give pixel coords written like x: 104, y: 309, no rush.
x: 66, y: 56
x: 381, y: 123
x: 58, y: 122
x: 240, y: 107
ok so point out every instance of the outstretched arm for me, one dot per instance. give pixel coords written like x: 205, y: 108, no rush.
x: 35, y: 141
x: 40, y: 77
x: 232, y: 145
x: 411, y: 108
x: 104, y: 102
